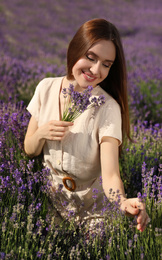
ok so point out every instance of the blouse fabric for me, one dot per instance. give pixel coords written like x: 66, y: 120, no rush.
x: 78, y: 154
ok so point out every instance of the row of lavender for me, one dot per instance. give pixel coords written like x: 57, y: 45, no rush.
x: 28, y: 231
x: 32, y: 48
x: 33, y: 41
x: 18, y: 80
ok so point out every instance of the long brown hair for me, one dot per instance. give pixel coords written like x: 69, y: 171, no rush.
x: 115, y: 83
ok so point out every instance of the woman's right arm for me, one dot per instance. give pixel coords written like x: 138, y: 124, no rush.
x: 36, y: 136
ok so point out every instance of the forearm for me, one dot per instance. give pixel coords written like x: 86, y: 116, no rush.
x: 33, y: 144
x: 36, y: 136
x: 114, y: 188
x: 110, y: 169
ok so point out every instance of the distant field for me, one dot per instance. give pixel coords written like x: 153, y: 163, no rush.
x: 34, y: 36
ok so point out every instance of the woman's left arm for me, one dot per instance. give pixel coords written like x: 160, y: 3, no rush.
x: 111, y: 181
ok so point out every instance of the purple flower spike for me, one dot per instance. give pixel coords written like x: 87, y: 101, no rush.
x: 79, y: 102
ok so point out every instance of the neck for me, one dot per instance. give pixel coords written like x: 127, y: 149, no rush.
x: 74, y: 83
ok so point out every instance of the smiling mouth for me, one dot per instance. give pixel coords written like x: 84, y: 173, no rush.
x: 88, y: 77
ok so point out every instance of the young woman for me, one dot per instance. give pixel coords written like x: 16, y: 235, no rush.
x: 78, y: 153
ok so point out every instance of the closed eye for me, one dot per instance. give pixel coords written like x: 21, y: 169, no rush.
x: 89, y: 58
x: 107, y: 66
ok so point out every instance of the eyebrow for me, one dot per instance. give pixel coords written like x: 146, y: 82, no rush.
x: 91, y: 52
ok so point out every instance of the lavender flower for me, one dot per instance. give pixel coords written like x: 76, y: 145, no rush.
x: 77, y: 102
x: 23, y: 63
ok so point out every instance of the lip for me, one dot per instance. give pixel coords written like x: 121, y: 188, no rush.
x: 88, y: 76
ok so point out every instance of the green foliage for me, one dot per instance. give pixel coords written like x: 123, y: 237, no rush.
x: 23, y: 239
x: 29, y: 234
x: 146, y: 102
x: 145, y: 148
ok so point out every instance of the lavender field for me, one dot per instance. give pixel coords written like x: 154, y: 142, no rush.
x: 34, y: 36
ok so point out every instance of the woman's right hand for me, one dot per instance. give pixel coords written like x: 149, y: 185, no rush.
x: 36, y: 136
x: 54, y: 130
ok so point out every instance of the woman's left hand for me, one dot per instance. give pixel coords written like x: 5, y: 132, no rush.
x: 134, y: 207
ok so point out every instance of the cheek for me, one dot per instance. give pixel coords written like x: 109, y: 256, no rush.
x: 79, y: 62
x: 79, y: 65
x: 76, y: 66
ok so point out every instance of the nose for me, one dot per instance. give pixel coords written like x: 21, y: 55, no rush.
x: 95, y: 68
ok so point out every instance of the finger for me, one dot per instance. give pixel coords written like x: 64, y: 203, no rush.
x: 142, y: 215
x: 141, y: 227
x: 142, y: 222
x: 143, y: 219
x: 56, y: 138
x: 136, y: 203
x: 141, y: 206
x: 61, y: 123
x: 59, y: 129
x: 57, y: 134
x: 131, y: 211
x: 129, y: 208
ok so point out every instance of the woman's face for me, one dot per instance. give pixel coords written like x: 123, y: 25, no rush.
x: 94, y: 66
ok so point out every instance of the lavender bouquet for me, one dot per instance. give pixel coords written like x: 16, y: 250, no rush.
x: 76, y: 103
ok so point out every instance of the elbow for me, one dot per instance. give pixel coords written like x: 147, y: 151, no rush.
x: 27, y: 152
x: 32, y: 148
x: 30, y: 153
